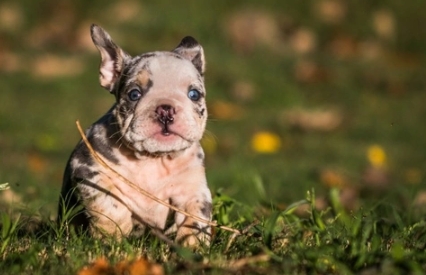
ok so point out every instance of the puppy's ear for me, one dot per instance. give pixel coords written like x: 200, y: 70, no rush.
x: 191, y: 50
x: 113, y: 58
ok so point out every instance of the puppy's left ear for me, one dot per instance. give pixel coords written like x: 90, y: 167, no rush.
x: 113, y: 58
x: 191, y: 50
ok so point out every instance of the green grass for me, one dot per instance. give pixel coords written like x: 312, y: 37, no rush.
x: 377, y: 240
x: 374, y: 82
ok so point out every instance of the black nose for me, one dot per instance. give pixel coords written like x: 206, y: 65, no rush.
x: 165, y: 114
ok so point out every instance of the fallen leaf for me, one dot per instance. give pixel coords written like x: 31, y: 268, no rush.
x: 249, y: 28
x: 309, y: 72
x: 343, y: 46
x: 243, y: 91
x: 99, y: 267
x: 330, y: 11
x: 376, y: 155
x: 225, y: 110
x: 51, y: 66
x: 303, y: 41
x: 265, y: 142
x: 37, y: 164
x: 125, y: 11
x: 370, y: 50
x: 11, y: 16
x: 138, y: 267
x: 133, y: 267
x: 313, y: 120
x: 384, y: 24
x: 331, y: 179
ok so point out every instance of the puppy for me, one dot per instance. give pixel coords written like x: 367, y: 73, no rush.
x: 151, y: 136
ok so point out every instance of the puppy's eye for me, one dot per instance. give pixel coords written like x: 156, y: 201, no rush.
x: 134, y: 94
x: 194, y: 95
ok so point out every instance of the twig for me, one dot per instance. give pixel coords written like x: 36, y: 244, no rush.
x: 235, y: 265
x: 144, y: 192
x: 241, y: 232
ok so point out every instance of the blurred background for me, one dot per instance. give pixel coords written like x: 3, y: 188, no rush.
x: 301, y: 94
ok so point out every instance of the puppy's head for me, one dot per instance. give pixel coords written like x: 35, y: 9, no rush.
x: 160, y: 96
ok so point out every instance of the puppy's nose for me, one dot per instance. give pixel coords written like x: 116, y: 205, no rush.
x: 165, y: 114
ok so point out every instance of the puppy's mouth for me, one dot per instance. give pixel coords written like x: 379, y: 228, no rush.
x: 165, y: 127
x: 165, y: 115
x: 164, y: 132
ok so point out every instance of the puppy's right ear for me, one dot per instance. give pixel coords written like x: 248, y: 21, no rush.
x: 113, y: 58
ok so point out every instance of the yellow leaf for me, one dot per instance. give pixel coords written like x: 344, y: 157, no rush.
x: 99, y: 267
x: 266, y: 142
x: 137, y: 267
x: 142, y: 267
x: 376, y: 155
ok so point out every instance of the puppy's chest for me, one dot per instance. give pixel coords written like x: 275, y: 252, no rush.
x: 163, y: 177
x: 155, y: 176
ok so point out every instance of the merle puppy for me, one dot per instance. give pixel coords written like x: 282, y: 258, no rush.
x: 151, y: 136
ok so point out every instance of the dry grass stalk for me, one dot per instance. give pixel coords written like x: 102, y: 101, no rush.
x: 242, y: 232
x: 144, y: 192
x: 238, y: 264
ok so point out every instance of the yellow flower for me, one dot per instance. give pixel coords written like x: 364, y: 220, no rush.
x: 376, y: 156
x: 265, y: 142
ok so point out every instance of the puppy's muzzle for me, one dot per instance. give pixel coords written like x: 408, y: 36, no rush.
x: 165, y: 115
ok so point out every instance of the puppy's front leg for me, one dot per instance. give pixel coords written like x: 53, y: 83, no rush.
x: 190, y: 231
x: 108, y: 215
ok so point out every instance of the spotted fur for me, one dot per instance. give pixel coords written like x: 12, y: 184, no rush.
x: 150, y: 136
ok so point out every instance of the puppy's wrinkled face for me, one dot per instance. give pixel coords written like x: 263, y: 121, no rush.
x: 160, y: 105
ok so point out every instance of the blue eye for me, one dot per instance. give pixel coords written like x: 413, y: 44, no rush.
x: 134, y: 94
x: 194, y: 95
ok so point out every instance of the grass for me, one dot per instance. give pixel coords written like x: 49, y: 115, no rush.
x: 378, y: 240
x: 365, y: 69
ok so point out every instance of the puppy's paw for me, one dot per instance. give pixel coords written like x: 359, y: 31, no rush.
x: 194, y: 235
